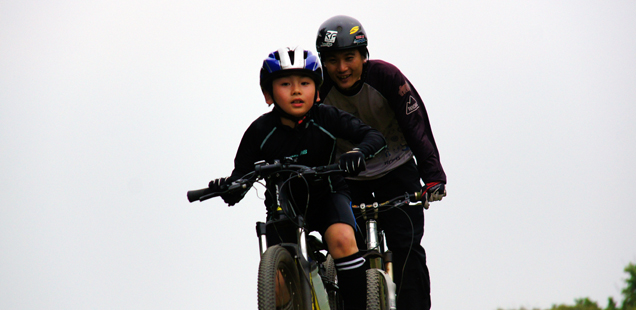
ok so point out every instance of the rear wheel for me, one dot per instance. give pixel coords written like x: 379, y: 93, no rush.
x: 377, y: 290
x: 278, y: 281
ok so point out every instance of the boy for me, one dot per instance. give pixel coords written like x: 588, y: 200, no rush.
x: 380, y: 95
x: 296, y: 127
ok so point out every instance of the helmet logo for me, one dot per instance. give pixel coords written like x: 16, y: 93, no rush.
x: 359, y: 39
x: 330, y: 38
x: 354, y: 29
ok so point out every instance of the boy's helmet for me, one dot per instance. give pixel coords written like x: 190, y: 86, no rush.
x: 340, y: 32
x: 287, y: 61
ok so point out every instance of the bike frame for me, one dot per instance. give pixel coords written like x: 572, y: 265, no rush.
x: 314, y: 291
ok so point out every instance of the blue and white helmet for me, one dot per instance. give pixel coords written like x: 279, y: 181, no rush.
x: 287, y: 61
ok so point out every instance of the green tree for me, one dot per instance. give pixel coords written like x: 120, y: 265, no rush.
x: 611, y: 304
x: 629, y: 293
x: 579, y: 304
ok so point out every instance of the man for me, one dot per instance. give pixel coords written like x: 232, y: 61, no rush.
x: 381, y: 96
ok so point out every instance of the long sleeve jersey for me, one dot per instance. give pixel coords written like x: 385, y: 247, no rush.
x: 311, y: 143
x: 386, y: 100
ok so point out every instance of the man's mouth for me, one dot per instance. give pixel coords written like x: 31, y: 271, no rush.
x: 344, y: 77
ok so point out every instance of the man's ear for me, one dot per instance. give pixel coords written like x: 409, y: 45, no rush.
x: 268, y: 97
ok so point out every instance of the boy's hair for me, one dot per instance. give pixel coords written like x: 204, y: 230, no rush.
x: 287, y: 61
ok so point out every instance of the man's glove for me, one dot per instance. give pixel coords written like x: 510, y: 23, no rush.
x: 218, y: 185
x: 435, y: 191
x: 352, y: 162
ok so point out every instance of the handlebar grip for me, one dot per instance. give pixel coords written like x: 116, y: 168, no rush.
x: 196, y: 194
x: 335, y: 166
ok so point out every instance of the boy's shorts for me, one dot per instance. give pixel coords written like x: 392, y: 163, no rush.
x: 323, y: 212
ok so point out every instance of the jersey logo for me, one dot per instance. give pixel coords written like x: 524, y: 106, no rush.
x: 411, y: 106
x: 404, y: 89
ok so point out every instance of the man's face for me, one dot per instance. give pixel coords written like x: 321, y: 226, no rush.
x: 344, y: 67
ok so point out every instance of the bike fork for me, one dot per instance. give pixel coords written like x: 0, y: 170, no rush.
x: 262, y: 237
x: 373, y: 243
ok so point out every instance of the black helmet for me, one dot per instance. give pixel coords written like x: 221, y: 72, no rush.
x: 287, y: 60
x: 341, y: 32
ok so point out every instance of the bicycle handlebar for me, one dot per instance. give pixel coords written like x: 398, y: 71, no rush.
x: 419, y: 197
x: 262, y: 170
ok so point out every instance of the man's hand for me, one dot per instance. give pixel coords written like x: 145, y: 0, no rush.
x: 435, y: 191
x: 352, y: 162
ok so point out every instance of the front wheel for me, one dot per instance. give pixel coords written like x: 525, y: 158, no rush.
x: 278, y: 281
x: 335, y: 300
x: 378, y: 291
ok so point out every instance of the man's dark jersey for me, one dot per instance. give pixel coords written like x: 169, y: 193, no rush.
x: 386, y: 100
x: 312, y: 143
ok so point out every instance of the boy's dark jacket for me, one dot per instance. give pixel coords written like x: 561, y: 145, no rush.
x: 312, y: 143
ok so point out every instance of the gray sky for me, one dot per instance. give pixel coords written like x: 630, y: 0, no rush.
x: 111, y: 110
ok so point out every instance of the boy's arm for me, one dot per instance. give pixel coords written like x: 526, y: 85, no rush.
x: 346, y: 126
x: 243, y: 164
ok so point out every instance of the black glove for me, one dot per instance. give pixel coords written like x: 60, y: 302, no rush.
x: 352, y: 162
x: 218, y: 185
x: 436, y: 191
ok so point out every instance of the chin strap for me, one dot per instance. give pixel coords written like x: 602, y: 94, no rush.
x: 295, y: 119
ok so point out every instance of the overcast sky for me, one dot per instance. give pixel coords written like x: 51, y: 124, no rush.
x: 111, y: 110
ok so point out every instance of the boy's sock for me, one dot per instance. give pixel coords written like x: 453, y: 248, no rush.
x: 352, y: 280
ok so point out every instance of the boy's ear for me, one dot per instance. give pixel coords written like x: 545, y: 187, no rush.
x: 268, y: 97
x: 317, y: 96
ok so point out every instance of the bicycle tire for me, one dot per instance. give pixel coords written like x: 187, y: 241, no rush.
x: 335, y: 300
x: 377, y: 292
x: 278, y: 266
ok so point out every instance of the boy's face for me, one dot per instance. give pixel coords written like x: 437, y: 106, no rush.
x: 293, y: 93
x: 344, y: 67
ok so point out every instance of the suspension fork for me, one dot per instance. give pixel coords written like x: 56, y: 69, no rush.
x: 376, y: 240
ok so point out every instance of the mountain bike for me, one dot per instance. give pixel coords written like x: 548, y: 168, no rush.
x: 297, y: 273
x: 381, y: 289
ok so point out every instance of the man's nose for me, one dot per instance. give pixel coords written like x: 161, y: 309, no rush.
x: 342, y: 66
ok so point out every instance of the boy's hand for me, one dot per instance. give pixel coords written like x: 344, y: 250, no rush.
x: 436, y: 191
x: 352, y: 162
x: 218, y: 185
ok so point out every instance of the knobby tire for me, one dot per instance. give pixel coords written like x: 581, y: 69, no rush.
x: 335, y: 300
x: 278, y: 262
x: 377, y: 298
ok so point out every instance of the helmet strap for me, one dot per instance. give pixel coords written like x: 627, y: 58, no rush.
x: 282, y: 113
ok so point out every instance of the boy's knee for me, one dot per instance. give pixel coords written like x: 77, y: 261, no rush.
x: 341, y: 240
